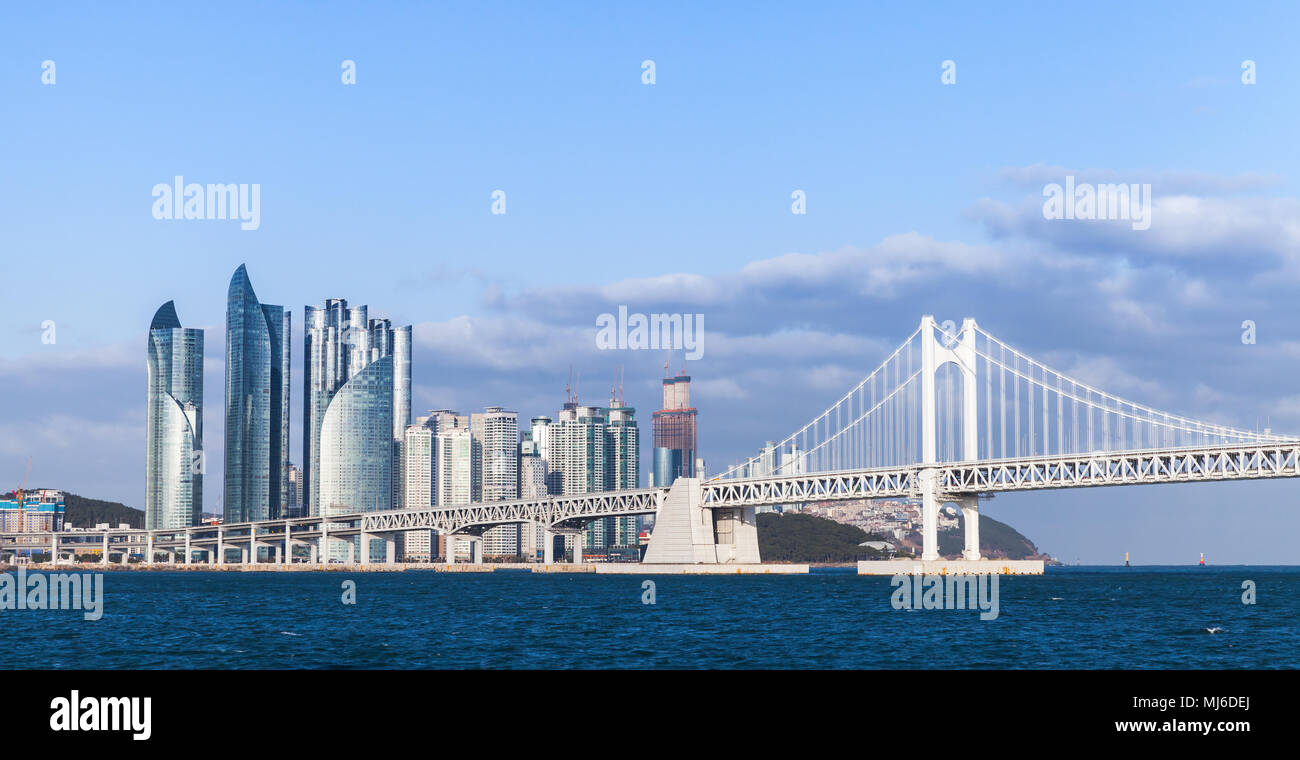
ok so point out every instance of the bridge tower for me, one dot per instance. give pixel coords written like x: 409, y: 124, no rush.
x: 934, y: 354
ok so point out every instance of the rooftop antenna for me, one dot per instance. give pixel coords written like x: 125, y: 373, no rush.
x: 568, y: 387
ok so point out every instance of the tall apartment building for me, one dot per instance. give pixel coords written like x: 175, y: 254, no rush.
x: 174, y: 423
x: 622, y: 447
x: 592, y: 449
x: 419, y: 486
x: 457, y: 464
x: 257, y: 405
x: 495, y: 434
x: 532, y: 483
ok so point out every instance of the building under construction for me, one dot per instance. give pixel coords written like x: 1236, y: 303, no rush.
x: 35, y: 511
x: 676, y: 432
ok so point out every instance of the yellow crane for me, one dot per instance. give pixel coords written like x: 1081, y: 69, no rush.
x: 22, y: 520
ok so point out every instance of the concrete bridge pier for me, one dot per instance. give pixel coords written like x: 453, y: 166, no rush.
x: 686, y: 533
x: 390, y: 549
x: 103, y: 557
x: 970, y: 512
x: 187, y: 547
x: 365, y: 548
x: 548, y: 547
x: 476, y: 549
x: 577, y: 549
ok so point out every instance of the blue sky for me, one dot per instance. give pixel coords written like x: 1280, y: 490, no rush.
x: 922, y: 198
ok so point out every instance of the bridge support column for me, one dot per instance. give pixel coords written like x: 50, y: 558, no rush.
x: 929, y: 515
x: 476, y: 550
x: 970, y: 513
x: 686, y: 533
x: 313, y: 558
x: 148, y: 552
x: 187, y: 547
x: 548, y: 546
x: 364, y: 541
x: 288, y: 543
x: 103, y: 559
x: 390, y: 549
x: 221, y: 548
x: 352, y: 553
x: 577, y: 548
x: 54, y: 548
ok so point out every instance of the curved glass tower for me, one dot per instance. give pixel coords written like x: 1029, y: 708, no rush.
x: 257, y: 405
x: 340, y: 342
x: 356, y: 445
x: 174, y: 423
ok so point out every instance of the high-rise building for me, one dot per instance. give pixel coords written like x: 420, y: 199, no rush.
x: 386, y: 340
x: 622, y: 450
x: 532, y: 484
x: 675, y: 432
x: 418, y: 465
x: 496, y: 438
x: 356, y: 445
x: 418, y: 483
x: 174, y: 423
x: 595, y: 449
x: 339, y: 344
x: 295, y: 492
x: 257, y: 405
x: 457, y: 463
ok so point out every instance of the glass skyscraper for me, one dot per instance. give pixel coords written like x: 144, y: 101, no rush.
x: 174, y: 423
x: 356, y: 446
x: 257, y: 405
x: 340, y: 343
x: 356, y: 443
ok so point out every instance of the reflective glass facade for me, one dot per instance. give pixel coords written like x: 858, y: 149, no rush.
x: 356, y: 445
x: 339, y: 342
x: 257, y: 405
x: 174, y: 423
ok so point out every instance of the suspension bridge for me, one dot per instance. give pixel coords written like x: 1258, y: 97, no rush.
x: 951, y: 416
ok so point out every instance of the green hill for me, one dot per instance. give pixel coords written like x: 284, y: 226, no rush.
x: 997, y: 539
x: 81, y: 512
x: 807, y: 538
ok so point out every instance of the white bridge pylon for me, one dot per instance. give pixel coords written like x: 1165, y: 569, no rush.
x: 950, y: 396
x: 933, y: 356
